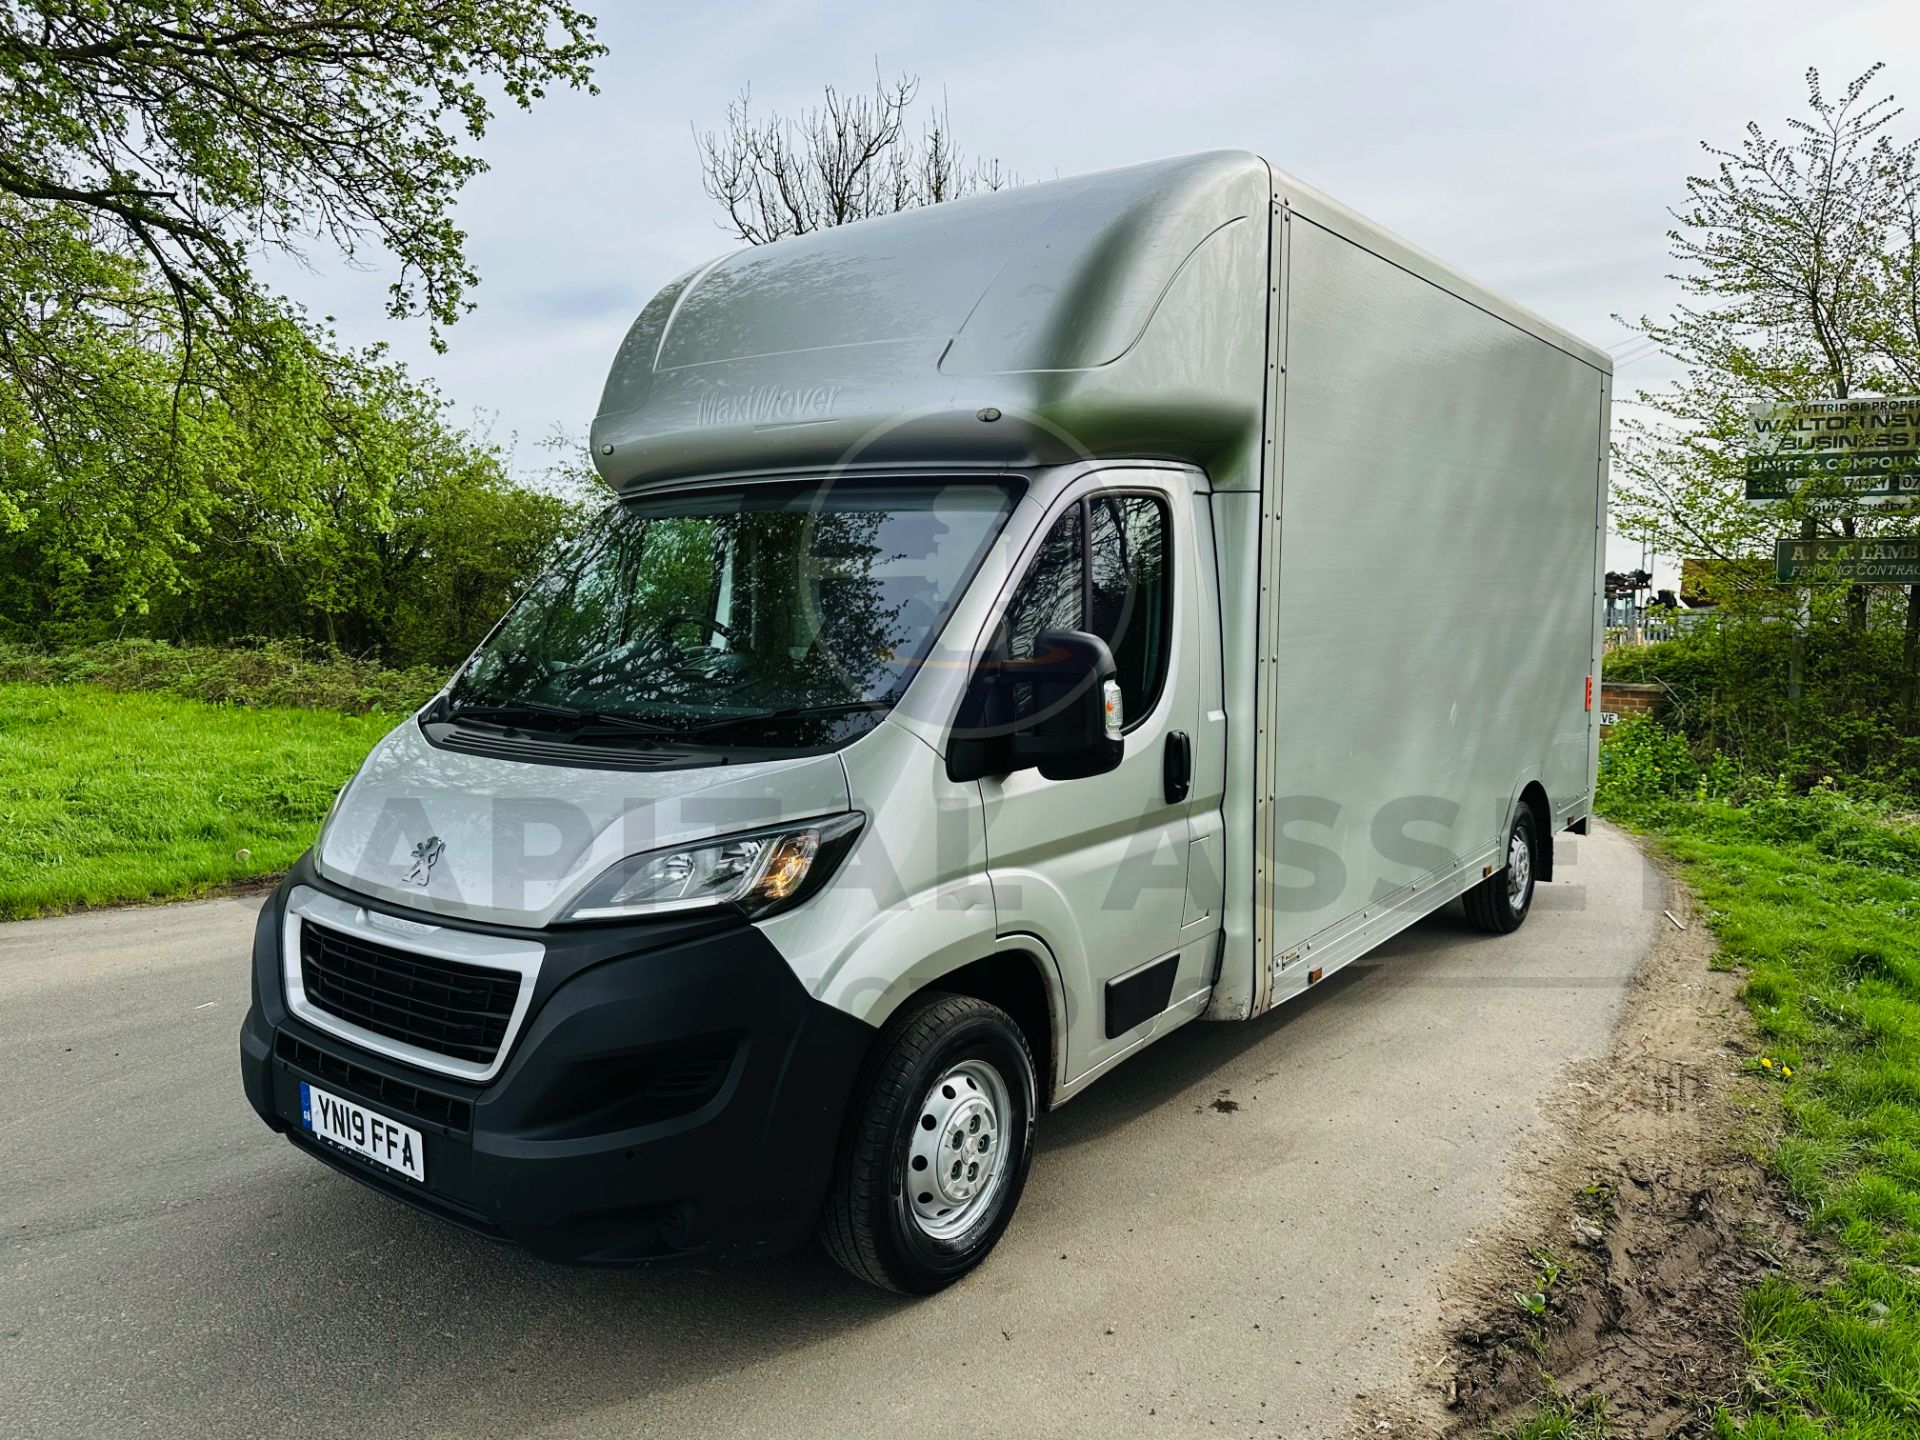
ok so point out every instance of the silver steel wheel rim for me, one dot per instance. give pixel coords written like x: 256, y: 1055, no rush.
x: 1519, y: 871
x: 957, y: 1156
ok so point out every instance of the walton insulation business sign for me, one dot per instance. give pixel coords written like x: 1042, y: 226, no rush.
x: 1865, y: 451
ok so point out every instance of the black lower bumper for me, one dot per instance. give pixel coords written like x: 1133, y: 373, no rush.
x: 673, y: 1094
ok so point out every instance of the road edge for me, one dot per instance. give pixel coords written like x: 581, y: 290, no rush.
x: 1640, y: 1213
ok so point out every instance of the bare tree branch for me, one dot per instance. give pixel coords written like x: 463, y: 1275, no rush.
x: 849, y: 158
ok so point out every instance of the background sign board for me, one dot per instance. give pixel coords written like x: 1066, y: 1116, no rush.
x: 1860, y: 562
x: 1859, y: 452
x: 1830, y: 506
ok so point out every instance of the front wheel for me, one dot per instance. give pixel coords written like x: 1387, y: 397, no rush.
x: 937, y: 1147
x: 1499, y: 903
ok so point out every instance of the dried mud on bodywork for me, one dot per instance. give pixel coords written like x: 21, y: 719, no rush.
x: 1640, y: 1218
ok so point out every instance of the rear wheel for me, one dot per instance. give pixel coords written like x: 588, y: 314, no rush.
x: 936, y: 1150
x: 1499, y: 903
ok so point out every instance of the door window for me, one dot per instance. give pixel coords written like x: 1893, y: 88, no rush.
x: 1053, y: 594
x: 1103, y: 568
x: 1130, y: 597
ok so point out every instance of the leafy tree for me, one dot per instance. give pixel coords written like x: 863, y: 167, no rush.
x: 181, y: 452
x: 324, y: 495
x: 1799, y: 256
x: 190, y: 136
x: 850, y: 158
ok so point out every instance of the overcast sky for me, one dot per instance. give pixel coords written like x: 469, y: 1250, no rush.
x: 1533, y: 145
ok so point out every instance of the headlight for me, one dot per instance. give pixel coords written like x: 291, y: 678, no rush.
x: 758, y: 873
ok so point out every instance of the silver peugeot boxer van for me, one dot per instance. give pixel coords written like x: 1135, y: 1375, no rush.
x: 1021, y: 626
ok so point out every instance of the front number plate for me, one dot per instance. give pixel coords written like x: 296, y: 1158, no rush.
x: 356, y: 1128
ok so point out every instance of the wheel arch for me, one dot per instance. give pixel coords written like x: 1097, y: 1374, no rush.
x: 1020, y: 977
x: 1533, y: 795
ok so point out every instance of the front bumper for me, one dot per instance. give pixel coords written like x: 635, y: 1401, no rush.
x: 674, y: 1094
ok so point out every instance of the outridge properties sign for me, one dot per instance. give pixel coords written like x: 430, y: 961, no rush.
x: 1848, y: 456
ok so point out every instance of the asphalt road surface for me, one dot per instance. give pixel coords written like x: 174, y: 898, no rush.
x: 1178, y: 1266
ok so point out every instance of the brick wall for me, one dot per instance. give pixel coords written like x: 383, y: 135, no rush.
x: 1625, y: 700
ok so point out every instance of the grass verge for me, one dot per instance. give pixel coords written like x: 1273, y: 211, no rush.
x: 1818, y: 897
x: 109, y: 797
x: 266, y: 673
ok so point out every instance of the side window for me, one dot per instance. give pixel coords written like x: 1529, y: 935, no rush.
x: 1131, y: 596
x: 1053, y: 594
x: 1104, y: 568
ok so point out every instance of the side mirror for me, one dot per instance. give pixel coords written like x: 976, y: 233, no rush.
x: 1059, y: 712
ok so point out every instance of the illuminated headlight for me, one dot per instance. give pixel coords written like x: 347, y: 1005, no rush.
x: 757, y: 873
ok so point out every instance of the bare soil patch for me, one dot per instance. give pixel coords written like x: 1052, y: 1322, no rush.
x: 1640, y: 1218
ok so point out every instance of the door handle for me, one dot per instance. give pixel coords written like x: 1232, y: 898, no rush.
x: 1176, y: 767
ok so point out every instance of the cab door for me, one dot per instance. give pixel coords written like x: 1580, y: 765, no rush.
x: 1096, y: 868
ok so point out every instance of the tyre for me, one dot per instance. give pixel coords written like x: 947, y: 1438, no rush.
x: 936, y: 1147
x: 1499, y: 903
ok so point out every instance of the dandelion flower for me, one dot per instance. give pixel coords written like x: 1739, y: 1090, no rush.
x: 1765, y: 1064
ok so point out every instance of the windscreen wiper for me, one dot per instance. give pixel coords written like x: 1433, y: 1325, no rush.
x: 506, y: 713
x: 584, y: 722
x: 794, y: 712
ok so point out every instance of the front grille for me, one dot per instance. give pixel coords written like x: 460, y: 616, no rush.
x: 439, y: 1005
x: 409, y: 1102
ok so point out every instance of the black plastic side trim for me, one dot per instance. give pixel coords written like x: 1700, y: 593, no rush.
x: 1140, y: 996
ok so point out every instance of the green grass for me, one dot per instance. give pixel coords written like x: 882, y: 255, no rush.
x: 1833, y: 947
x: 109, y: 797
x: 1818, y: 897
x: 1557, y: 1419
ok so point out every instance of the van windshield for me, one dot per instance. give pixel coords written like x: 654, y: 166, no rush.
x: 770, y: 614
